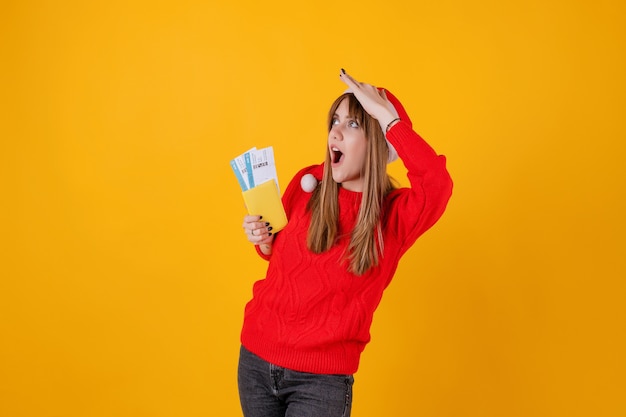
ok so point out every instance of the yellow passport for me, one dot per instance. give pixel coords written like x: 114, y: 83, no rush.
x: 265, y: 201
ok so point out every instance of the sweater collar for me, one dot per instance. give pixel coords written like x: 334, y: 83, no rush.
x: 351, y: 197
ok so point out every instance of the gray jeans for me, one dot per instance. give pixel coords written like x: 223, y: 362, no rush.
x: 266, y: 390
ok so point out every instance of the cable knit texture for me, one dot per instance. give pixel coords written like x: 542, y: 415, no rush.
x: 310, y: 314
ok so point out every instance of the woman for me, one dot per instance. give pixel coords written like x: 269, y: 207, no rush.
x: 309, y: 319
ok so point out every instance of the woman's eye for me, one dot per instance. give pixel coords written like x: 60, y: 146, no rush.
x: 335, y: 122
x: 353, y: 123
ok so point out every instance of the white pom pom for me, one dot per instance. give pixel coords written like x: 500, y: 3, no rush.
x: 308, y: 183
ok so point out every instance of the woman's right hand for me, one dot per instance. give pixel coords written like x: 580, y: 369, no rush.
x: 257, y: 231
x: 374, y: 102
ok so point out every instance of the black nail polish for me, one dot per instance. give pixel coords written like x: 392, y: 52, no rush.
x: 267, y: 223
x: 269, y: 234
x: 260, y: 217
x: 343, y: 71
x: 269, y: 228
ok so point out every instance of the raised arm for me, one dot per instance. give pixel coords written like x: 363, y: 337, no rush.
x: 414, y: 210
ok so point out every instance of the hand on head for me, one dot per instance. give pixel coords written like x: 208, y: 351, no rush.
x: 373, y: 100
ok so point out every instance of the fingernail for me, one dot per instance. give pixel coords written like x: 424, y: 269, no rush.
x: 260, y: 217
x: 267, y: 223
x: 269, y: 234
x: 269, y: 228
x: 343, y: 71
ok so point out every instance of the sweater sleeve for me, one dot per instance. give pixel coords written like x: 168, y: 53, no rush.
x: 413, y: 211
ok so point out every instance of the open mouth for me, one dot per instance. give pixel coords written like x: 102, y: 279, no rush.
x: 335, y: 155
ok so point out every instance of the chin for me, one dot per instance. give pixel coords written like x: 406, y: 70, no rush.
x: 337, y: 178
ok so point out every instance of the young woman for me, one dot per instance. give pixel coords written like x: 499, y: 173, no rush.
x: 309, y: 319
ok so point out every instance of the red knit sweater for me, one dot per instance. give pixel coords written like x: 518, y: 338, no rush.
x: 310, y: 314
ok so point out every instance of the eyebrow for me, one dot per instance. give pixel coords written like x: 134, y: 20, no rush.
x: 350, y: 116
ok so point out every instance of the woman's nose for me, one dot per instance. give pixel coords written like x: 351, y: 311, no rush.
x: 336, y: 134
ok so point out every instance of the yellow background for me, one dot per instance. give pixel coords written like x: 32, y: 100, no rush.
x: 124, y: 268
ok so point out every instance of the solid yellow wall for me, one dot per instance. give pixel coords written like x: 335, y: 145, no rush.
x: 124, y: 268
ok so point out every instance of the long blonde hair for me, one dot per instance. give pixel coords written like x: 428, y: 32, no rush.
x: 366, y: 241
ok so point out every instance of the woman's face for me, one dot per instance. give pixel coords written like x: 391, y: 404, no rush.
x: 348, y: 147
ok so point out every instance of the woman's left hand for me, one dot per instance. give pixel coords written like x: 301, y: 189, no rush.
x: 374, y: 102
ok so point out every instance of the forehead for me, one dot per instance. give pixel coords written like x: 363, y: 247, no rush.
x: 343, y: 107
x: 349, y: 106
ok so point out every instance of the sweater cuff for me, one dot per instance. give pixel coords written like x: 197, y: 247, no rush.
x: 261, y: 254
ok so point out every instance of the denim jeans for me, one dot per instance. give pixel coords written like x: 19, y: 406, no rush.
x: 266, y: 390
